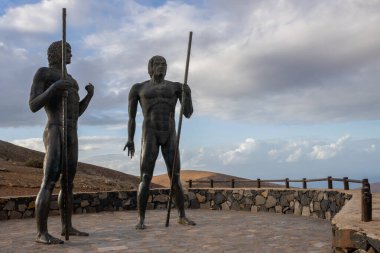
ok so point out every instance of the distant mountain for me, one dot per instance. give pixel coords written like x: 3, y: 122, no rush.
x: 197, y: 175
x: 21, y: 174
x: 375, y: 187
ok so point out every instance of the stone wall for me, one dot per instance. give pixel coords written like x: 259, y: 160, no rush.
x: 317, y: 203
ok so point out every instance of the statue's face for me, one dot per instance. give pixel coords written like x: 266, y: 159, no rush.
x: 68, y: 55
x: 159, y: 67
x: 55, y: 53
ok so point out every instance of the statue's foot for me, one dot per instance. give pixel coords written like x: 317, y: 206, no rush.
x: 186, y: 221
x: 74, y: 232
x: 140, y: 226
x: 47, y: 238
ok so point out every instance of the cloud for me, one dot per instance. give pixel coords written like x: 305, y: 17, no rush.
x: 323, y: 152
x: 295, y: 156
x: 290, y: 62
x: 239, y: 154
x: 281, y: 158
x: 44, y: 16
x: 31, y: 143
x: 88, y: 145
x: 371, y: 148
x: 300, y: 61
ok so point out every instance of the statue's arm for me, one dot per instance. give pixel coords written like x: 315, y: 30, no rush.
x: 38, y: 95
x: 86, y: 100
x: 133, y: 99
x: 188, y: 103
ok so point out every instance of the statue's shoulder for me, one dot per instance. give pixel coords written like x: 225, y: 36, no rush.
x: 174, y: 84
x: 138, y: 86
x: 42, y: 71
x: 41, y: 74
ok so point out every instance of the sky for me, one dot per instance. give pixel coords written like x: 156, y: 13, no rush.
x: 280, y: 88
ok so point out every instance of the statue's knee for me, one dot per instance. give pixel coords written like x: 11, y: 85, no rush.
x: 146, y: 178
x: 176, y: 178
x: 70, y: 186
x: 49, y: 185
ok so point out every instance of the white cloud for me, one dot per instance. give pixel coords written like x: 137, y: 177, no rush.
x: 44, y: 16
x: 295, y: 156
x: 290, y: 62
x: 371, y: 148
x: 273, y: 153
x: 31, y: 143
x: 241, y: 153
x: 88, y: 145
x: 323, y: 152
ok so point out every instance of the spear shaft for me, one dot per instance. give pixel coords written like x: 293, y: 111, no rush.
x: 65, y: 169
x: 176, y: 154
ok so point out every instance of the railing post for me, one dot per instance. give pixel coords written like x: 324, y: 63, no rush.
x: 329, y: 182
x: 304, y: 185
x: 232, y: 183
x: 286, y: 182
x: 346, y: 183
x: 258, y: 183
x: 211, y: 183
x: 190, y: 183
x: 366, y: 201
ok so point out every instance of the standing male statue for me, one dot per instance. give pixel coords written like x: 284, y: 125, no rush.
x: 157, y: 98
x: 47, y: 91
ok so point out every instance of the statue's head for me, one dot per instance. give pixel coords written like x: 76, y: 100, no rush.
x: 54, y: 52
x: 156, y: 62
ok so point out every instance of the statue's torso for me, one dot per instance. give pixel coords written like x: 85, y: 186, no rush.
x: 54, y: 107
x: 158, y: 103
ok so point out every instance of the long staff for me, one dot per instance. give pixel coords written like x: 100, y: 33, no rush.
x: 179, y: 130
x: 65, y: 170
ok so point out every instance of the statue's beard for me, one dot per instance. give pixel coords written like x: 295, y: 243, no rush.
x: 160, y: 75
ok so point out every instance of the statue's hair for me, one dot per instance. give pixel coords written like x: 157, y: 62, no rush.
x: 151, y: 62
x: 54, y: 52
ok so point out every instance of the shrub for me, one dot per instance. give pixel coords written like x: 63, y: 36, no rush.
x: 35, y: 163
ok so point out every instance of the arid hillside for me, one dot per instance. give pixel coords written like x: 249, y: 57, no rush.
x: 21, y: 174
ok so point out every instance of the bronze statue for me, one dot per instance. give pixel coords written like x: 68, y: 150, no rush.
x: 47, y: 91
x: 157, y: 98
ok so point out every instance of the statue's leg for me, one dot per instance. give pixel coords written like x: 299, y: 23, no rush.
x: 72, y: 161
x: 149, y: 153
x: 168, y: 152
x: 51, y: 168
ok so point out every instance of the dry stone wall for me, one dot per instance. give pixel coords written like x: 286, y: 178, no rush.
x: 316, y: 203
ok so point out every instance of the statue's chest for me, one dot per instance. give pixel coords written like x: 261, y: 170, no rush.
x: 165, y: 92
x: 55, y: 76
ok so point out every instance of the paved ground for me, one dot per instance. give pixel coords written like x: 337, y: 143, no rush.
x: 216, y: 231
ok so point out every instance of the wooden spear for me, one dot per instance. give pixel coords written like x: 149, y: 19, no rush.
x: 65, y: 169
x: 179, y: 130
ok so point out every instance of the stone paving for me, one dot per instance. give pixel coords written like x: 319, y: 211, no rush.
x: 216, y: 231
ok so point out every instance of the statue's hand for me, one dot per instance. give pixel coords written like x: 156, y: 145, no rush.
x: 187, y: 89
x: 62, y: 85
x: 131, y: 148
x: 90, y: 89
